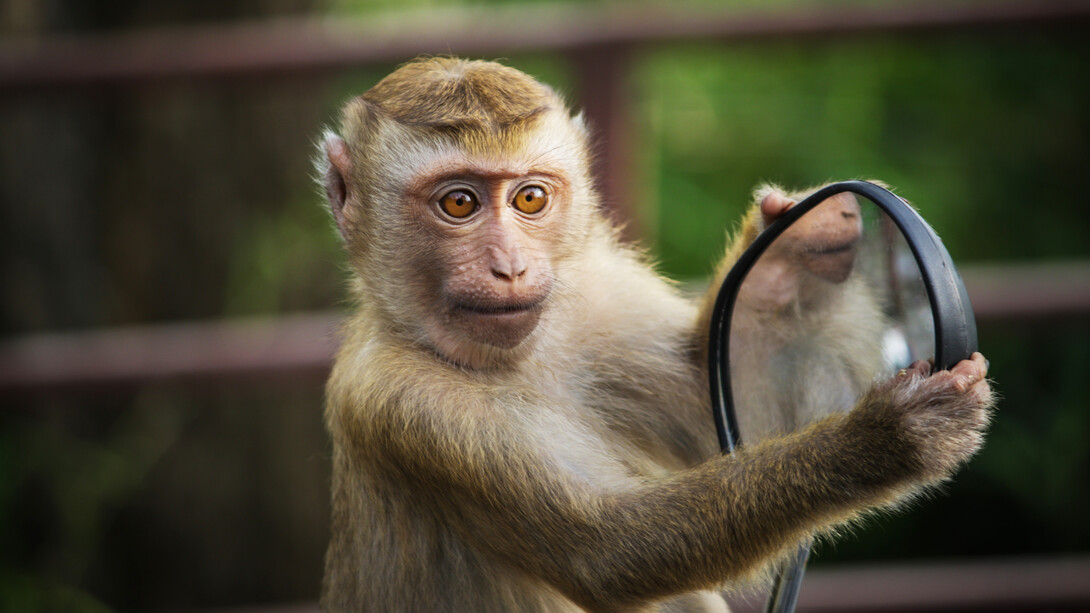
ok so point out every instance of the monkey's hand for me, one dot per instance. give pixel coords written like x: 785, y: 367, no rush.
x: 939, y: 417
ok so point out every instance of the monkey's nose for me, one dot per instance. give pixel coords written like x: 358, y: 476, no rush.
x: 507, y: 266
x: 508, y: 273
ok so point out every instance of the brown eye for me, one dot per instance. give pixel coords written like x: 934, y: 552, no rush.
x: 531, y: 199
x: 458, y: 204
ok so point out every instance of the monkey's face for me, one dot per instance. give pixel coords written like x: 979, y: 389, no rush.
x: 821, y: 245
x: 457, y: 231
x: 490, y: 270
x: 493, y: 230
x: 824, y: 240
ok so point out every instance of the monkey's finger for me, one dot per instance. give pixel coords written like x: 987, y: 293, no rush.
x: 967, y: 373
x: 975, y: 367
x: 979, y: 358
x: 919, y: 367
x: 774, y: 205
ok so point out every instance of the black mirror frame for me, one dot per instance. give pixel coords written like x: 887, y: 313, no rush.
x: 955, y: 325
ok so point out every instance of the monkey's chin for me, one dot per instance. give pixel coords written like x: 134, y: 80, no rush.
x: 483, y: 339
x: 833, y: 264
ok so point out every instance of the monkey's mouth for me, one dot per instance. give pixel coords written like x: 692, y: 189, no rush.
x: 500, y: 308
x: 834, y: 249
x: 834, y: 263
x: 500, y: 324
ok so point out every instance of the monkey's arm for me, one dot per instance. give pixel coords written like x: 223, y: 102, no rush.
x: 608, y: 546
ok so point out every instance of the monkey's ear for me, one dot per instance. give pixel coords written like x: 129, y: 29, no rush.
x: 339, y: 167
x: 579, y: 121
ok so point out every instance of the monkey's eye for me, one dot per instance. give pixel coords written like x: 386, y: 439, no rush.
x: 458, y: 203
x: 531, y: 199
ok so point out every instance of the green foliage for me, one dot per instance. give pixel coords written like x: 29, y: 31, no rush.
x: 28, y: 594
x: 61, y: 483
x: 274, y: 259
x: 976, y: 135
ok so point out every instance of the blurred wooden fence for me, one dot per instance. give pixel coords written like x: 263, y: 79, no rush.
x: 600, y: 41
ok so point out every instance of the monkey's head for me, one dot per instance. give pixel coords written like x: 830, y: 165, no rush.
x: 461, y: 189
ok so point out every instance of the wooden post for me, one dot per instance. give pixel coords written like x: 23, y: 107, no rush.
x: 602, y: 79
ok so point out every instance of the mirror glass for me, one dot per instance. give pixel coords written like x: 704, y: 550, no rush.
x: 835, y: 303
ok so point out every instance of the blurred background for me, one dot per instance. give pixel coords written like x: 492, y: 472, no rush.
x: 172, y: 281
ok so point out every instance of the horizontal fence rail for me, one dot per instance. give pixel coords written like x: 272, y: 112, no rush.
x: 294, y: 346
x: 1045, y: 584
x: 1014, y: 584
x: 301, y: 347
x: 292, y: 46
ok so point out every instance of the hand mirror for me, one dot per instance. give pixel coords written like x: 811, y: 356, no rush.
x: 844, y: 289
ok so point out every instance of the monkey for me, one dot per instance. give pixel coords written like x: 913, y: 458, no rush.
x: 518, y: 408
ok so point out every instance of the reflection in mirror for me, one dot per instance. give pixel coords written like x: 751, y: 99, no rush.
x: 835, y: 303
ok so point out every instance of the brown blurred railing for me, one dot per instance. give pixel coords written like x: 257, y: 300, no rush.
x: 305, y: 45
x: 1003, y: 585
x: 1053, y: 585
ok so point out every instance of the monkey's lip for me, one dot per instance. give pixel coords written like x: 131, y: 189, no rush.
x: 498, y: 323
x: 499, y: 308
x: 845, y: 247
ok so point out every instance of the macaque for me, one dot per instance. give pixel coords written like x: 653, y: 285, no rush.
x: 519, y: 408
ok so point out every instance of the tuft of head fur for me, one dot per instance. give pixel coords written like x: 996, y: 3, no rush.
x: 441, y: 92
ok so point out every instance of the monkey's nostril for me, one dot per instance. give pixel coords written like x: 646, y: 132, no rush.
x: 507, y: 274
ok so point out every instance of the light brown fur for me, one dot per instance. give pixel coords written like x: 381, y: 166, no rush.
x: 561, y: 458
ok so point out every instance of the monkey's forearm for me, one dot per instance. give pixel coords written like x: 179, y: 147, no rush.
x: 728, y: 517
